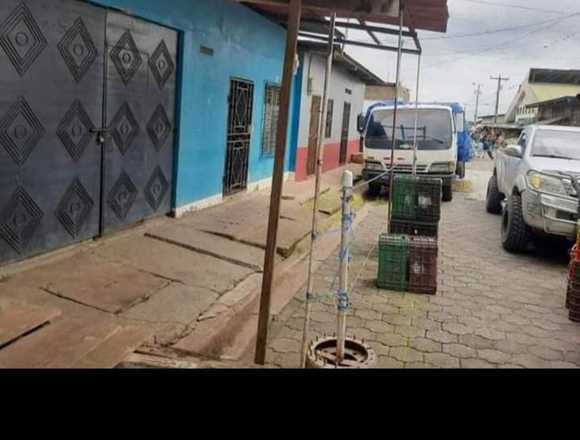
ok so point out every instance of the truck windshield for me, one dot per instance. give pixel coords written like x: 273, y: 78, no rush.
x: 434, y: 130
x: 557, y: 144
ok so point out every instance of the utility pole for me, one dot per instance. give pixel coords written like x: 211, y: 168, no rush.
x: 477, y: 95
x: 499, y: 81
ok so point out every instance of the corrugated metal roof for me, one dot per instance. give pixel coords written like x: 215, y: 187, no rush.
x: 430, y: 15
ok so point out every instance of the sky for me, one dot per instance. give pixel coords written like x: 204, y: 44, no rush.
x: 546, y: 35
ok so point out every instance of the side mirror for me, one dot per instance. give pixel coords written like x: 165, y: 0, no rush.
x: 514, y: 150
x: 360, y: 123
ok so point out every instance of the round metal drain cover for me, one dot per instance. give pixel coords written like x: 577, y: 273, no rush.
x: 357, y: 354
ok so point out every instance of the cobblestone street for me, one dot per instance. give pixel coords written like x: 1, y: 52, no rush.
x: 492, y: 309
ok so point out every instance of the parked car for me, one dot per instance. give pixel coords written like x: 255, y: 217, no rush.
x: 533, y: 185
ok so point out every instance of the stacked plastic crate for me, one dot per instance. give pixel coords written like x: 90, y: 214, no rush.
x: 416, y: 206
x: 408, y: 255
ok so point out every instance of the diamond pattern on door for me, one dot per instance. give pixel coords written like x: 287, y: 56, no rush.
x: 74, y: 208
x: 21, y: 38
x: 20, y: 131
x: 124, y: 128
x: 126, y: 57
x: 122, y: 196
x: 74, y: 130
x: 78, y: 50
x: 19, y: 220
x: 159, y: 127
x: 161, y: 64
x: 156, y: 189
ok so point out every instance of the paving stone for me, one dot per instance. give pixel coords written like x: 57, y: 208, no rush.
x: 379, y: 327
x: 546, y: 353
x: 396, y: 318
x: 388, y: 362
x: 442, y: 336
x: 367, y: 314
x: 476, y: 364
x: 426, y: 324
x: 441, y: 360
x: 418, y: 365
x: 456, y: 328
x: 409, y: 331
x: 391, y: 339
x: 425, y: 345
x: 529, y: 361
x: 459, y: 351
x: 283, y: 345
x: 490, y: 334
x: 493, y: 356
x: 562, y: 364
x: 406, y: 354
x: 510, y: 347
x: 475, y: 341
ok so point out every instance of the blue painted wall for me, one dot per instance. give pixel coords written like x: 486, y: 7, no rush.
x: 246, y: 46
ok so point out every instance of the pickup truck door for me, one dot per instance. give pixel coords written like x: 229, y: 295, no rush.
x: 512, y: 165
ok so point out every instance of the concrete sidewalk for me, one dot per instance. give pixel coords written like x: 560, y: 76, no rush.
x: 189, y: 284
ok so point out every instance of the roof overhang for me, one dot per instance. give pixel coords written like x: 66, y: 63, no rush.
x: 347, y: 62
x: 428, y: 15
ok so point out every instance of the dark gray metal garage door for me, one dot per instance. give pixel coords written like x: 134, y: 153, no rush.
x: 58, y: 184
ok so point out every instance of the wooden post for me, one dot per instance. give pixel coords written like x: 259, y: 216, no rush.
x: 394, y: 138
x: 294, y: 16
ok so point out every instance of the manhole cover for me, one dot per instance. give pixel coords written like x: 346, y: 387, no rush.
x: 357, y: 354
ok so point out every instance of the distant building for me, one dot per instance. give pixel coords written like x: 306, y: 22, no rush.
x: 490, y: 119
x: 345, y: 102
x: 541, y: 85
x: 560, y: 111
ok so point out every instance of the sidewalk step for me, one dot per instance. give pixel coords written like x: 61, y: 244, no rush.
x: 19, y: 319
x: 58, y: 345
x: 115, y: 348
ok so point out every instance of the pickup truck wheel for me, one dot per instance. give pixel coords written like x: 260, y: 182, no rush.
x: 494, y: 197
x: 447, y: 193
x: 375, y: 189
x: 515, y: 234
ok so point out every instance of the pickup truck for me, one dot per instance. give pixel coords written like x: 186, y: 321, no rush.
x: 534, y: 186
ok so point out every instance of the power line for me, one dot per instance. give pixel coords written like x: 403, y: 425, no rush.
x: 495, y: 31
x: 510, y: 5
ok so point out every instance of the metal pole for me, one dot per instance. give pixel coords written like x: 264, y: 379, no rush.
x: 416, y: 115
x: 477, y: 94
x: 317, y: 179
x: 397, y: 78
x: 499, y: 81
x: 343, y: 295
x: 294, y: 16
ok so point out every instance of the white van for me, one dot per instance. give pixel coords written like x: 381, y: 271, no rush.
x: 436, y: 143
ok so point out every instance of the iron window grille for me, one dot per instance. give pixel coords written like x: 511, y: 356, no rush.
x: 271, y: 112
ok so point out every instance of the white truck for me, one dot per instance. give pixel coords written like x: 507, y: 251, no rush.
x: 436, y: 143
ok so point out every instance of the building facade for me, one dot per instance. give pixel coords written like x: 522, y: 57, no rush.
x: 115, y: 111
x: 346, y: 102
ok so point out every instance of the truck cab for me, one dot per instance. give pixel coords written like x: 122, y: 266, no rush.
x: 436, y: 143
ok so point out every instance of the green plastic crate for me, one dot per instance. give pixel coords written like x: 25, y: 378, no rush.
x: 393, y: 262
x: 405, y: 197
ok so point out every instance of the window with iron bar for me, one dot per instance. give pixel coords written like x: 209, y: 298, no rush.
x: 271, y: 112
x: 329, y: 116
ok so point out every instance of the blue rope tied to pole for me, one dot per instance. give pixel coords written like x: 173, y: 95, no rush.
x: 343, y: 301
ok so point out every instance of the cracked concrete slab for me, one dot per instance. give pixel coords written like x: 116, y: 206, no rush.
x: 89, y: 280
x: 211, y: 244
x: 176, y: 303
x: 175, y: 263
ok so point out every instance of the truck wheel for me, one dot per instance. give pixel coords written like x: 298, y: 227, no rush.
x: 447, y: 193
x: 515, y: 234
x: 375, y: 189
x: 494, y: 197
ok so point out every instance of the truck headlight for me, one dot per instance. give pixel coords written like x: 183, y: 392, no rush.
x: 442, y: 167
x: 550, y: 184
x: 374, y: 166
